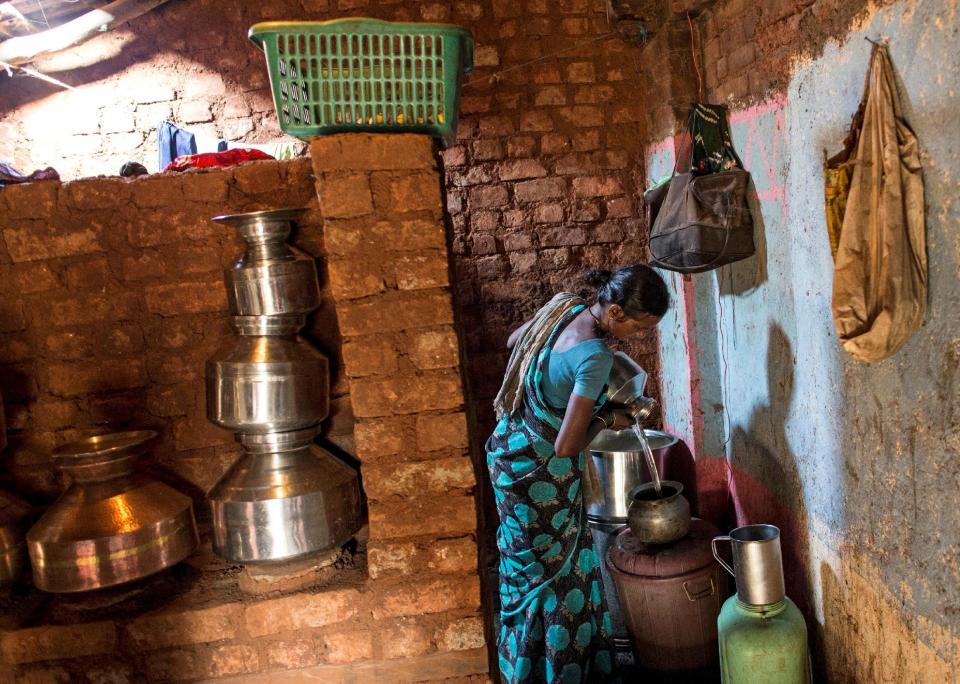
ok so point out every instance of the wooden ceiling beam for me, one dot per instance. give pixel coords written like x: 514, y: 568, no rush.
x: 23, y: 49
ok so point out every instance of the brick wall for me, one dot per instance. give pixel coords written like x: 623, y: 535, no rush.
x: 114, y: 300
x: 543, y: 181
x: 749, y: 50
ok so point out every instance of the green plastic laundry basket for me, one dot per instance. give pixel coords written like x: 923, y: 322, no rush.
x: 365, y: 75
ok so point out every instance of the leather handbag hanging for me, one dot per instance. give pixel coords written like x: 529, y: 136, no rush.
x: 700, y: 219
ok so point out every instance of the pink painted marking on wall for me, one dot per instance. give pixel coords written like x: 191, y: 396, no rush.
x: 690, y: 344
x: 662, y: 147
x: 753, y: 503
x: 764, y: 166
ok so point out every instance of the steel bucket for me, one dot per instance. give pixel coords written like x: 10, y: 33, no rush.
x: 616, y: 465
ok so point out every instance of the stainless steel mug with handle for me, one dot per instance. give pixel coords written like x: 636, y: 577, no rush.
x: 757, y: 563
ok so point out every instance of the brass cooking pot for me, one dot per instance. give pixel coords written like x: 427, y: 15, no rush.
x: 113, y: 524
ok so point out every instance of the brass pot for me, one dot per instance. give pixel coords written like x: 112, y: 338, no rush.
x: 113, y: 524
x: 659, y: 519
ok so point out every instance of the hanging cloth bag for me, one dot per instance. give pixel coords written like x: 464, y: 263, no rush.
x: 837, y: 171
x: 704, y: 220
x: 880, y: 276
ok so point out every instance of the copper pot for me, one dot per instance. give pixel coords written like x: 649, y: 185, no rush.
x: 113, y: 524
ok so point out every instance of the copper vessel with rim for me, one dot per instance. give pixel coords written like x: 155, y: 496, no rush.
x: 114, y: 524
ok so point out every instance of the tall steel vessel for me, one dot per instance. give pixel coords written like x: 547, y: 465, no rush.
x: 286, y: 496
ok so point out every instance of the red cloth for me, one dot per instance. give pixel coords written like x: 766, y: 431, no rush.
x: 10, y: 176
x: 209, y: 160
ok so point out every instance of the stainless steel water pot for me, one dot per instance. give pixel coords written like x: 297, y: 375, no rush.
x: 271, y: 278
x: 114, y: 524
x: 625, y: 388
x: 267, y: 383
x: 616, y: 465
x: 267, y: 378
x: 284, y: 498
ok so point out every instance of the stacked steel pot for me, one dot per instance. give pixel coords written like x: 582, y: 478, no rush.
x: 286, y: 496
x: 614, y: 468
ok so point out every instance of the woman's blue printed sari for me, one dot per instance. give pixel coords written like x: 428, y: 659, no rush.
x: 554, y: 625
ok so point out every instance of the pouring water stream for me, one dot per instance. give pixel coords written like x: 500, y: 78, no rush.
x: 648, y: 455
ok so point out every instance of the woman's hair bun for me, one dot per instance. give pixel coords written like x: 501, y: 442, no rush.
x: 597, y: 277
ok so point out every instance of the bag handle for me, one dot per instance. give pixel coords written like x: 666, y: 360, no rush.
x: 676, y: 156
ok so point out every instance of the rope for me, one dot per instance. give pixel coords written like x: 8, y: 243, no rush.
x: 35, y: 74
x: 693, y: 53
x: 43, y: 14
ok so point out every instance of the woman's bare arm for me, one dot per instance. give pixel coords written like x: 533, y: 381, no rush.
x: 515, y: 335
x: 578, y: 428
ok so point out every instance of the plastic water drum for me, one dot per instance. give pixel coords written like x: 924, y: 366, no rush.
x: 670, y: 596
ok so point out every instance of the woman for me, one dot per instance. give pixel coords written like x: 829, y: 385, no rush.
x: 553, y: 621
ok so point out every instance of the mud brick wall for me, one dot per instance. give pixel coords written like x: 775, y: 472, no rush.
x: 750, y: 50
x: 389, y: 272
x: 112, y: 300
x: 543, y: 181
x: 105, y: 259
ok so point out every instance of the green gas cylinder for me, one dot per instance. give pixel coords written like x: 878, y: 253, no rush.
x: 762, y: 634
x: 762, y: 643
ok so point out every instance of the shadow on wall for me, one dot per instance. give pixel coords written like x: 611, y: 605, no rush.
x: 746, y: 275
x: 764, y: 482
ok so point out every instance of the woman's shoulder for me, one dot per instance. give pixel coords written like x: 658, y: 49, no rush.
x: 592, y: 349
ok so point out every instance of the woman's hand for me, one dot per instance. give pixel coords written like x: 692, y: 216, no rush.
x: 616, y: 419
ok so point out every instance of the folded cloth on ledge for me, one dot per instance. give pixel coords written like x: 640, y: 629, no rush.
x: 209, y: 160
x: 10, y: 176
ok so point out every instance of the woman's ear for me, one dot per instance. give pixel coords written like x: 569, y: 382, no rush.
x: 617, y: 313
